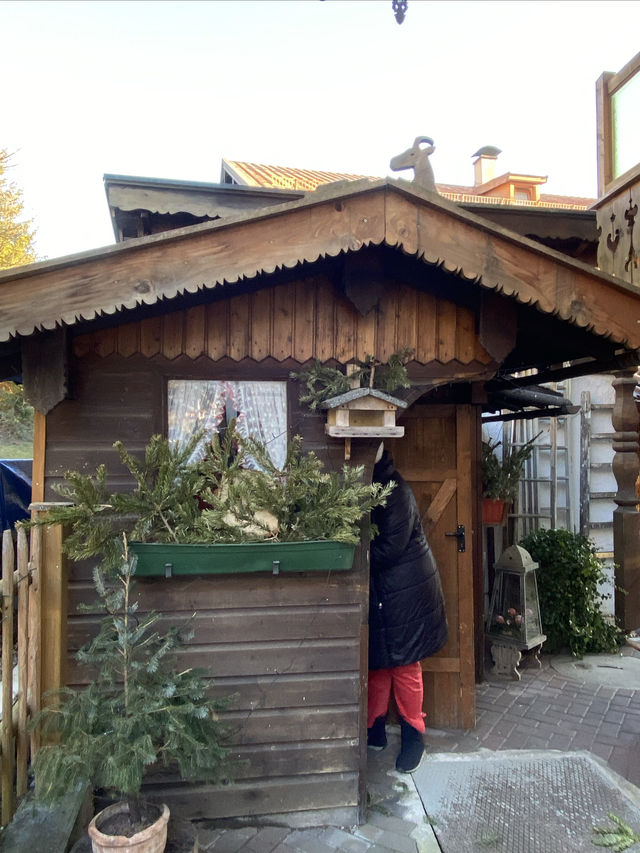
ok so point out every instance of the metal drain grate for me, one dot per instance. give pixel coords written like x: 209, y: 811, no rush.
x: 521, y: 802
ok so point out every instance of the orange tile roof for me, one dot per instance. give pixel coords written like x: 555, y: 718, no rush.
x: 283, y: 177
x: 469, y: 195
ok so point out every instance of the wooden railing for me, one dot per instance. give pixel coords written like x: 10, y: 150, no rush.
x: 21, y: 661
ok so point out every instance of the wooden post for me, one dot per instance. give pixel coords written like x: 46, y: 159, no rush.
x: 39, y: 446
x: 22, y: 747
x: 8, y: 758
x: 626, y: 518
x: 585, y: 455
x: 53, y: 597
x: 35, y: 633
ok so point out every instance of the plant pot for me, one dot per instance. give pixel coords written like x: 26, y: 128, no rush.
x: 493, y: 511
x: 167, y: 559
x: 152, y: 839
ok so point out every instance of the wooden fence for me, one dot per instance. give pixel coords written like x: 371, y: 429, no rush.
x: 21, y: 661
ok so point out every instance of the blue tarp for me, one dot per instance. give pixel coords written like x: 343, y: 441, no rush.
x: 15, y: 490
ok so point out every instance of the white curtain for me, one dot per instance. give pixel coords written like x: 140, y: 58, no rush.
x: 260, y: 408
x: 262, y: 414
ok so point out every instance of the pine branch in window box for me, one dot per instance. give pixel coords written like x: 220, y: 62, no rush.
x: 217, y: 501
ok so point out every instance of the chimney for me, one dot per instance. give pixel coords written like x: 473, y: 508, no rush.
x: 484, y: 167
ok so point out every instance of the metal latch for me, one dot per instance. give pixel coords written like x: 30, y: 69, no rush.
x: 461, y: 536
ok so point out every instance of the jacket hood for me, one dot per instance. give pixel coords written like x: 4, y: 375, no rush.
x: 384, y: 470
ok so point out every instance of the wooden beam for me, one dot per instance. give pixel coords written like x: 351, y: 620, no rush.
x: 53, y: 591
x: 39, y: 457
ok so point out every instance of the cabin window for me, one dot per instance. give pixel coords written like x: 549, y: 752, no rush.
x: 259, y: 407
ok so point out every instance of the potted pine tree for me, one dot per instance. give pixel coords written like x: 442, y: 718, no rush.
x: 137, y: 711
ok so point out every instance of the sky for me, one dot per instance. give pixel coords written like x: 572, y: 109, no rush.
x: 167, y: 88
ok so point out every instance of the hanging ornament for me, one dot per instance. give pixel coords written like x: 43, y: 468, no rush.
x: 399, y: 9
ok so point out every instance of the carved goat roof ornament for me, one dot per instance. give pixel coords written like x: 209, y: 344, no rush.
x: 417, y: 158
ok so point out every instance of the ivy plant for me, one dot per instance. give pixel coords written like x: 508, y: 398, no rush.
x: 569, y: 588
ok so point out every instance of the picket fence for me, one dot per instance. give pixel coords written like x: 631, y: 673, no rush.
x: 21, y: 661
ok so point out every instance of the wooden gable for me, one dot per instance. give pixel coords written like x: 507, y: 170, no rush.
x: 337, y: 219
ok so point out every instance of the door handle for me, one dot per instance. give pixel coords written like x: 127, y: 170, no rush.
x: 461, y: 536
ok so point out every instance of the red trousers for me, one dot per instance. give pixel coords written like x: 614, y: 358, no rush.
x: 407, y: 690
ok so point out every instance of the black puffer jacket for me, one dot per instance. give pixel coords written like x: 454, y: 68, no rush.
x: 407, y: 620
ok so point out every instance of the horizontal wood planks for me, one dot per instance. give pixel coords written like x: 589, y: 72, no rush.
x: 309, y: 318
x: 285, y: 648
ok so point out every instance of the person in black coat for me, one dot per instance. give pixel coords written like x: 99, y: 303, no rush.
x: 407, y: 620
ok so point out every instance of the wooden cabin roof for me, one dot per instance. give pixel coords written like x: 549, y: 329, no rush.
x: 340, y: 218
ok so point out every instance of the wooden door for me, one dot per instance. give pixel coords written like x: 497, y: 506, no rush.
x: 436, y: 459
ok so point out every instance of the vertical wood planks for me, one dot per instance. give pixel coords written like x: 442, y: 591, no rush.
x: 407, y: 332
x: 128, y: 339
x: 325, y: 321
x: 427, y: 332
x: 217, y: 329
x: 465, y: 334
x: 366, y: 334
x: 345, y: 330
x: 447, y: 316
x: 172, y: 334
x: 150, y: 336
x: 304, y: 320
x: 195, y: 331
x: 284, y: 307
x: 105, y: 342
x: 300, y: 320
x: 22, y: 746
x: 261, y: 327
x: 8, y: 758
x: 239, y: 324
x: 386, y: 337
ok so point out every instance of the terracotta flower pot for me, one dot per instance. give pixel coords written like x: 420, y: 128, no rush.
x: 152, y: 839
x: 492, y: 511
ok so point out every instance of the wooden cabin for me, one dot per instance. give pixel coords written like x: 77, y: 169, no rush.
x: 354, y: 269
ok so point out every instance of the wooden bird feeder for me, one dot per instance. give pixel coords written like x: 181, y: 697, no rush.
x: 362, y: 413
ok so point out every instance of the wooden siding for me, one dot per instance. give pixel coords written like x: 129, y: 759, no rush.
x: 307, y: 319
x: 287, y: 648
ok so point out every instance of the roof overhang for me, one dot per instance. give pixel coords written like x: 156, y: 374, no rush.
x: 339, y: 218
x: 126, y: 194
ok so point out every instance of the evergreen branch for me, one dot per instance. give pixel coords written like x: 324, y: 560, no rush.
x: 618, y: 837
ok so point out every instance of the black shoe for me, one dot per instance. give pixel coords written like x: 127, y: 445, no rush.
x: 412, y: 748
x: 376, y: 735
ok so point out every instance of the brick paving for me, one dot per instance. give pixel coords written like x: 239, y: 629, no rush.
x: 542, y: 711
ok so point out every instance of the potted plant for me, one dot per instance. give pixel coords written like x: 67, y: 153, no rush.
x: 138, y: 710
x: 233, y: 509
x: 500, y: 477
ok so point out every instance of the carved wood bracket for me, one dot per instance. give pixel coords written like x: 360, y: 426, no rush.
x: 45, y: 369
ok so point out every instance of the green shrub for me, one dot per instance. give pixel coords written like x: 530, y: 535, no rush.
x: 569, y: 579
x: 16, y: 415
